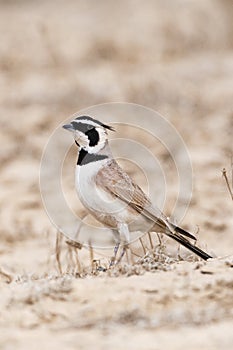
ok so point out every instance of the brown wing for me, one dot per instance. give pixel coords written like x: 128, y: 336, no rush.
x: 114, y: 180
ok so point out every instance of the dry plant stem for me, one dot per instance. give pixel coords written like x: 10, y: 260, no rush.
x: 178, y: 252
x: 159, y: 238
x: 70, y: 259
x: 80, y: 270
x: 127, y: 255
x: 92, y: 257
x: 137, y: 255
x: 131, y: 256
x: 143, y: 247
x: 232, y: 172
x: 196, y: 235
x: 83, y: 217
x: 224, y: 173
x: 58, y: 251
x: 74, y: 244
x: 151, y: 242
x: 6, y: 275
x: 74, y: 247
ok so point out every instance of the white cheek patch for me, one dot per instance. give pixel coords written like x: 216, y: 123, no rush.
x: 84, y: 141
x: 81, y: 139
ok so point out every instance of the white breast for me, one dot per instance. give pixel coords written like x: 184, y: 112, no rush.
x: 93, y: 197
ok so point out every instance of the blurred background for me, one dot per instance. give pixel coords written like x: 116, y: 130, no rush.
x: 59, y: 57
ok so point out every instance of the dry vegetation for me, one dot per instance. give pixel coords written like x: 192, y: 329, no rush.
x: 55, y: 59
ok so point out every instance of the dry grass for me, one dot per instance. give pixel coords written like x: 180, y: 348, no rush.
x: 149, y: 253
x: 229, y: 179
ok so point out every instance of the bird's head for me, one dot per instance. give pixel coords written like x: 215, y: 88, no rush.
x: 89, y: 134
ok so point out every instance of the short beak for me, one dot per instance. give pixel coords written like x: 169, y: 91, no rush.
x: 68, y: 127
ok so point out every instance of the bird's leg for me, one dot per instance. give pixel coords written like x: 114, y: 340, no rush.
x: 116, y: 248
x: 123, y: 232
x: 125, y: 247
x: 113, y: 259
x: 125, y: 237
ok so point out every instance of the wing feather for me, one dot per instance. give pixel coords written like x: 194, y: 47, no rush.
x: 122, y: 186
x: 117, y: 182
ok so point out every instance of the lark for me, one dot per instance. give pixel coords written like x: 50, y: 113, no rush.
x: 111, y: 195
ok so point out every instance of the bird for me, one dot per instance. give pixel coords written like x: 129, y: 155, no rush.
x: 111, y: 196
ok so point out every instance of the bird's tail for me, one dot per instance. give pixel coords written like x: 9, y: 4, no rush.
x: 164, y: 226
x: 183, y: 232
x: 183, y: 241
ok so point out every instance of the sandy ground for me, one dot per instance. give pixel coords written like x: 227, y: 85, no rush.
x: 55, y: 59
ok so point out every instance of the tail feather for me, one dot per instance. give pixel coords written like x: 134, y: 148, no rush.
x: 183, y: 241
x: 184, y: 233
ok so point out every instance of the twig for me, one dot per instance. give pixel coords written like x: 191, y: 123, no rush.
x: 71, y: 259
x: 6, y: 275
x: 131, y: 256
x: 58, y: 251
x: 224, y: 173
x: 151, y: 242
x: 74, y: 244
x: 91, y: 257
x: 78, y: 261
x: 135, y: 254
x: 143, y: 247
x: 232, y: 171
x: 159, y: 238
x: 127, y: 254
